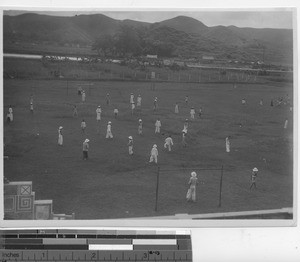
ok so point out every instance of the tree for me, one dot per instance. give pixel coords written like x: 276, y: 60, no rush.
x: 104, y: 45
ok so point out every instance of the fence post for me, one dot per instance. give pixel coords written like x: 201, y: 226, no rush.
x: 157, y: 183
x: 221, y: 181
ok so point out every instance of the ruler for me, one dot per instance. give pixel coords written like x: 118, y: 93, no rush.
x: 95, y: 245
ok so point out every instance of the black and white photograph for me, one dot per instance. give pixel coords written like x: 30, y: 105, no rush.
x: 148, y: 114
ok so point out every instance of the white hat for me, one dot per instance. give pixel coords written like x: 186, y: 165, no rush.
x: 130, y: 137
x: 87, y: 140
x: 109, y: 122
x: 255, y: 169
x: 60, y: 127
x: 193, y: 174
x: 154, y: 145
x: 184, y: 131
x: 99, y: 106
x: 140, y: 120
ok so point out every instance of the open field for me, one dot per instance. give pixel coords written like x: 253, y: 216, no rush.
x: 112, y: 184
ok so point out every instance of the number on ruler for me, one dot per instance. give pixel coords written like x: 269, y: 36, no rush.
x: 93, y: 255
x: 145, y: 255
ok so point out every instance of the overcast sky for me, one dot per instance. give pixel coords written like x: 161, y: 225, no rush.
x: 256, y: 19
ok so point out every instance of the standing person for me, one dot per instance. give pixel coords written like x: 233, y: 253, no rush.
x: 139, y: 101
x: 60, y: 136
x: 108, y: 130
x: 155, y: 104
x: 243, y: 101
x: 31, y: 99
x: 75, y: 113
x: 253, y: 177
x: 191, y: 194
x: 176, y: 108
x: 186, y: 125
x: 85, y: 149
x: 192, y: 113
x: 107, y: 99
x: 286, y: 124
x: 186, y: 100
x: 31, y: 107
x: 131, y: 98
x: 132, y: 108
x: 154, y: 154
x: 98, y: 113
x: 157, y: 126
x: 116, y: 112
x: 227, y: 143
x: 10, y: 113
x: 130, y: 145
x: 200, y: 112
x: 184, y: 133
x: 168, y: 143
x: 140, y: 127
x: 83, y: 96
x: 83, y: 126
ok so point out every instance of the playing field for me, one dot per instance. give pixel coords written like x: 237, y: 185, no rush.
x: 113, y: 184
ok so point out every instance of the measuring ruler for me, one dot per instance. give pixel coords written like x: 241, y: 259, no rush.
x: 95, y: 245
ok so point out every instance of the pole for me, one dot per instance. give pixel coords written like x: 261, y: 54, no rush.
x: 221, y: 181
x: 157, y: 183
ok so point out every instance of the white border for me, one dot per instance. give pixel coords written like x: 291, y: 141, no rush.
x: 266, y: 243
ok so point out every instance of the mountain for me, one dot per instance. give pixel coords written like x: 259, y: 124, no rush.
x: 188, y: 36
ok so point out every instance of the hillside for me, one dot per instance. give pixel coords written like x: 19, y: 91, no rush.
x: 189, y: 37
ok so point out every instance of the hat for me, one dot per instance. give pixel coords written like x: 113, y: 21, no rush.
x: 255, y: 169
x: 87, y: 140
x: 184, y: 131
x: 130, y: 137
x: 186, y: 119
x: 99, y: 106
x: 109, y: 122
x: 60, y: 127
x: 193, y: 174
x: 154, y: 145
x: 140, y: 120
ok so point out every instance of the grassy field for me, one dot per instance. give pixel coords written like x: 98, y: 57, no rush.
x: 112, y: 184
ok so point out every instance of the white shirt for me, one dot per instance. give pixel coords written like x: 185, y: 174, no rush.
x: 154, y: 151
x: 158, y: 123
x: 108, y: 128
x: 169, y: 141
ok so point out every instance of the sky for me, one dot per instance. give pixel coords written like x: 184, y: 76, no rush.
x: 279, y: 18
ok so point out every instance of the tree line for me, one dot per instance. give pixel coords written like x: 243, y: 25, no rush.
x: 131, y: 42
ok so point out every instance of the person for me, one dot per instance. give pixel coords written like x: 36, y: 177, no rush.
x: 285, y: 124
x: 139, y: 101
x: 186, y: 100
x: 85, y: 149
x: 83, y: 96
x: 10, y: 113
x: 154, y: 154
x: 261, y: 102
x: 227, y: 143
x: 132, y: 107
x: 98, y: 113
x: 131, y: 98
x: 75, y: 113
x: 155, y: 104
x: 140, y: 127
x: 186, y: 125
x: 184, y: 133
x: 200, y: 112
x: 253, y: 177
x: 191, y: 193
x: 79, y: 90
x: 60, y: 136
x: 107, y: 99
x: 116, y: 112
x: 157, y: 126
x: 31, y: 99
x: 244, y: 101
x: 31, y: 107
x: 168, y: 143
x: 108, y: 131
x: 130, y: 145
x: 192, y: 113
x: 176, y: 108
x: 83, y: 126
